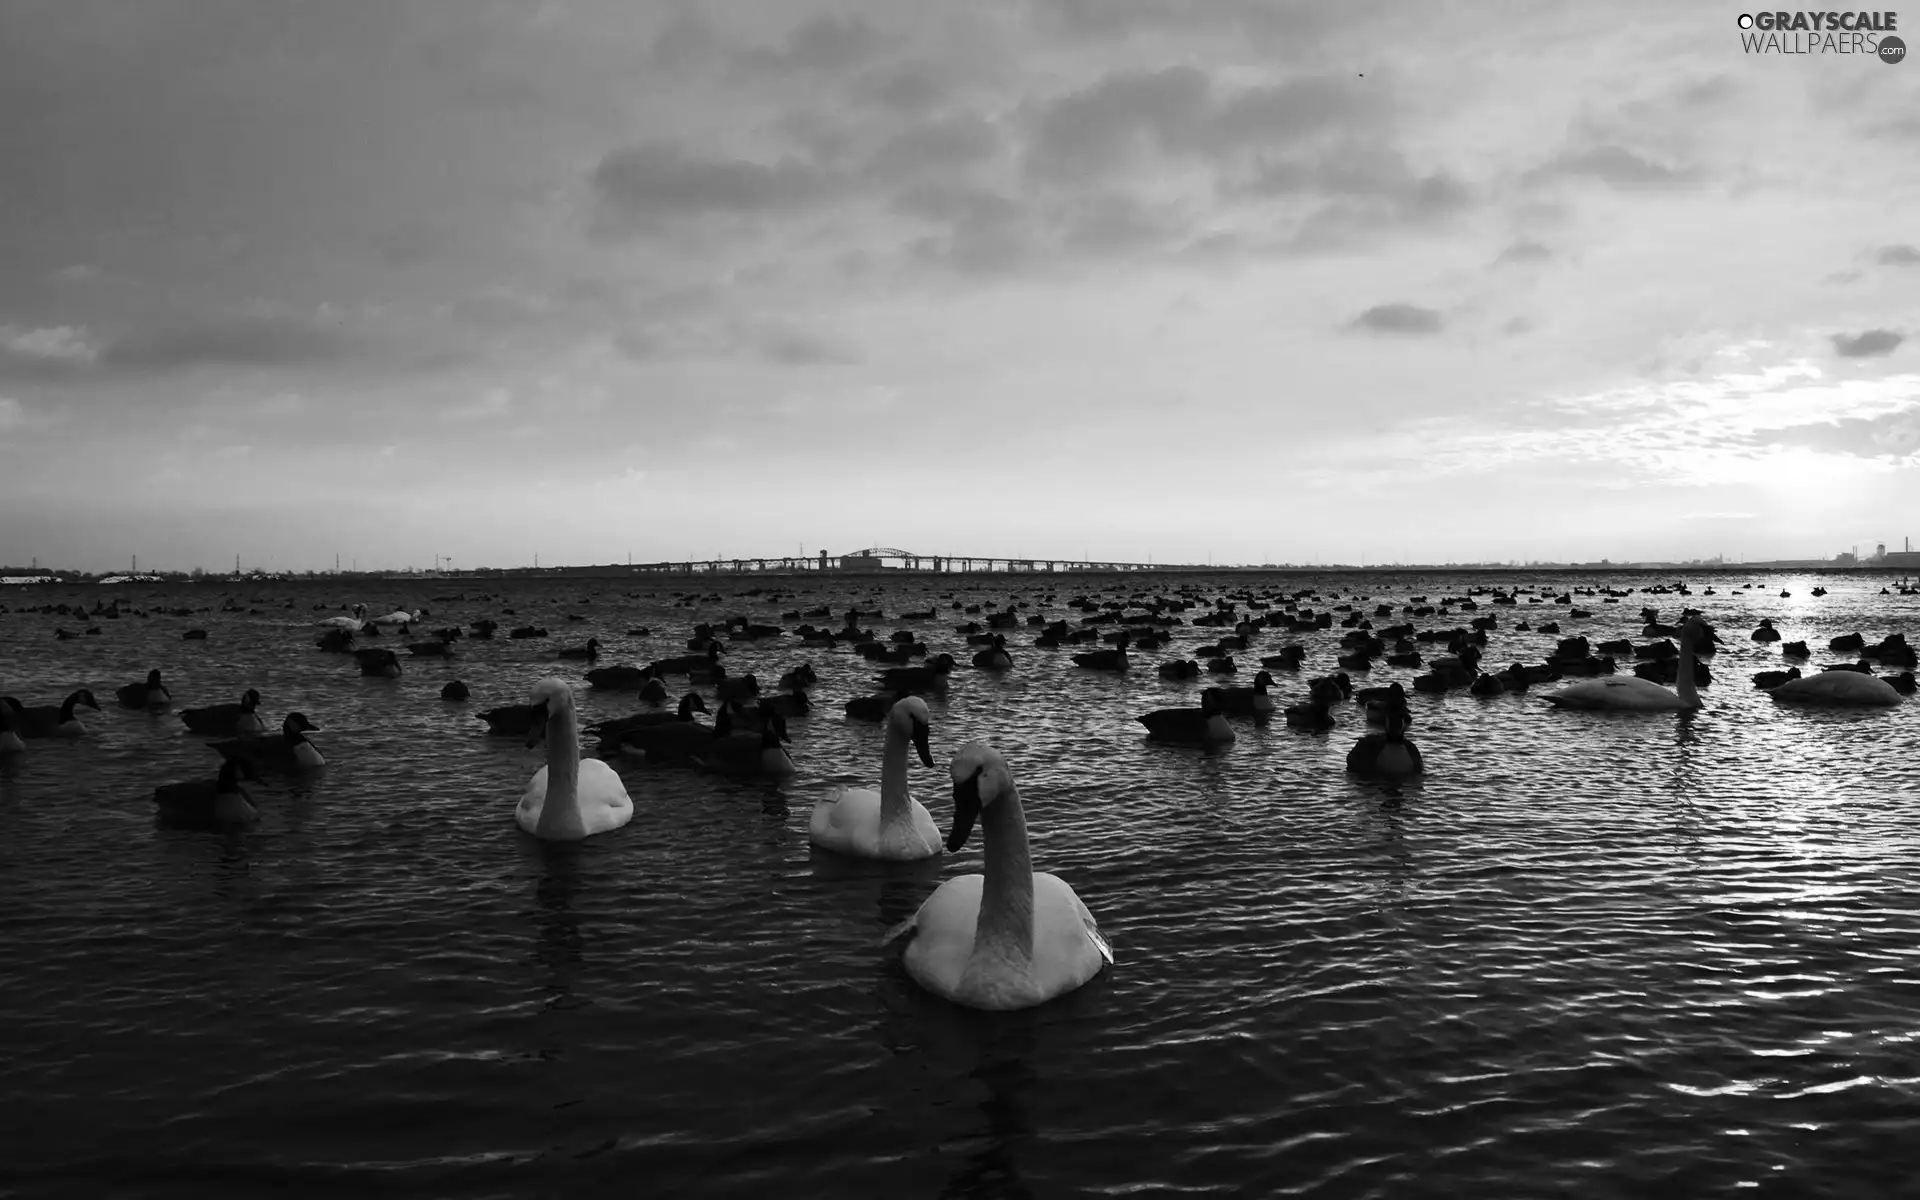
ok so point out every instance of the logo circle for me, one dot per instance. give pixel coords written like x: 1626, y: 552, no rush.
x: 1746, y: 21
x: 1892, y: 50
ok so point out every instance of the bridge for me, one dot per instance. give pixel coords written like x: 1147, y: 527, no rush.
x: 875, y: 559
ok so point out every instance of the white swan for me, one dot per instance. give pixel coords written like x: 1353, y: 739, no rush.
x: 352, y: 624
x: 1009, y: 938
x: 568, y: 799
x: 889, y: 823
x: 398, y: 616
x: 1630, y: 693
x: 1837, y: 687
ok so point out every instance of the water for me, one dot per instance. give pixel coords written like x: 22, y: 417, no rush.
x: 1588, y: 953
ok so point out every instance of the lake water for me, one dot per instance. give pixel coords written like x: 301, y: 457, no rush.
x: 1589, y: 954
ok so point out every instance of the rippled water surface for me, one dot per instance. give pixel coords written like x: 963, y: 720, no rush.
x: 1587, y: 954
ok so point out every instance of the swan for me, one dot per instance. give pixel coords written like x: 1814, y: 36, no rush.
x: 890, y: 823
x: 51, y: 720
x: 199, y: 802
x: 1630, y: 693
x: 1386, y: 755
x: 1837, y: 687
x: 568, y: 799
x: 243, y: 717
x: 1009, y: 938
x: 288, y: 750
x: 151, y: 695
x: 398, y: 616
x: 350, y: 624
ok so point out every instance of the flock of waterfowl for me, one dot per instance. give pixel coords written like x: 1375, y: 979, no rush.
x: 1008, y: 937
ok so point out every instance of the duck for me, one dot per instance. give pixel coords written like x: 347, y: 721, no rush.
x: 887, y: 824
x: 1387, y: 755
x: 1766, y: 632
x: 589, y: 651
x: 1630, y: 693
x: 204, y: 803
x: 218, y: 719
x: 378, y: 664
x: 1009, y: 938
x: 569, y: 798
x: 1773, y: 679
x: 1837, y: 688
x: 455, y: 690
x: 761, y: 753
x: 1180, y: 668
x: 1203, y: 726
x: 10, y: 741
x: 995, y: 656
x: 1248, y: 701
x: 151, y: 695
x: 51, y: 720
x: 288, y: 750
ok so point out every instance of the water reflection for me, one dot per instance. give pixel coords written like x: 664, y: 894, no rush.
x: 1003, y: 1067
x: 557, y: 925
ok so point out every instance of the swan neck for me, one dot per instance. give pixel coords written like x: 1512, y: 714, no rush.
x: 563, y: 763
x: 894, y: 795
x: 1006, y: 895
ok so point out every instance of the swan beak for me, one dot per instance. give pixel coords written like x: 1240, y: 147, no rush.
x: 920, y: 743
x: 537, y: 732
x: 966, y: 808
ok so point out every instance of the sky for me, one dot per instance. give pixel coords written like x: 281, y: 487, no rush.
x: 1119, y: 279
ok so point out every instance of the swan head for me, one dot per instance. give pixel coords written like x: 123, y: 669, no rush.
x: 549, y: 696
x: 910, y: 716
x: 980, y: 777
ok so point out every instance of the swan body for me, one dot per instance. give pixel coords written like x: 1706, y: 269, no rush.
x: 288, y: 750
x: 1630, y: 693
x: 200, y: 803
x: 351, y: 624
x: 889, y: 823
x: 151, y: 695
x: 1008, y: 938
x: 51, y: 720
x: 1837, y: 687
x: 216, y: 719
x: 568, y: 799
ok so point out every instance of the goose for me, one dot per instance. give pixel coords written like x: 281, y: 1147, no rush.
x: 201, y: 803
x: 509, y: 720
x: 10, y: 742
x: 995, y: 656
x: 379, y: 664
x: 886, y: 824
x: 288, y: 750
x: 1313, y: 714
x: 872, y: 708
x: 1766, y: 632
x: 51, y: 720
x: 589, y: 651
x: 1203, y: 726
x: 1630, y: 693
x: 621, y: 677
x: 455, y: 690
x: 1387, y: 755
x: 151, y: 695
x: 1106, y: 660
x: 761, y: 753
x: 795, y: 704
x: 613, y: 730
x: 675, y: 743
x: 932, y: 676
x: 1837, y: 687
x: 1180, y: 668
x: 1248, y: 701
x: 569, y: 798
x: 801, y: 676
x: 1009, y: 938
x: 218, y: 719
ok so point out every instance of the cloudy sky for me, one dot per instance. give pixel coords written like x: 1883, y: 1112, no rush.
x: 1260, y: 281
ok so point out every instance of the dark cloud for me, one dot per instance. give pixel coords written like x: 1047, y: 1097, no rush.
x: 1610, y: 164
x: 1398, y: 318
x: 939, y: 146
x: 234, y: 341
x: 1901, y: 255
x: 1525, y: 252
x: 824, y: 44
x: 661, y: 180
x: 1871, y: 344
x: 1367, y: 185
x: 1893, y: 435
